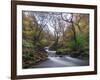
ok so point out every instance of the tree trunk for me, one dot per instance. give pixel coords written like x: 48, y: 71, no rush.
x: 74, y: 33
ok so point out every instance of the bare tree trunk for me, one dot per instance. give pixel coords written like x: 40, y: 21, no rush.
x: 74, y: 33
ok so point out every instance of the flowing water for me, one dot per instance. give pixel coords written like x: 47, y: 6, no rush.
x: 57, y: 61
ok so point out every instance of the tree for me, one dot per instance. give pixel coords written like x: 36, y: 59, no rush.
x: 69, y: 19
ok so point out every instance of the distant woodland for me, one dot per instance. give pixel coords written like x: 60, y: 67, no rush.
x: 65, y: 33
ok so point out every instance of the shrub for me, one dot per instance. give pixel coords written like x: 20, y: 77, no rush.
x: 27, y: 44
x: 63, y: 51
